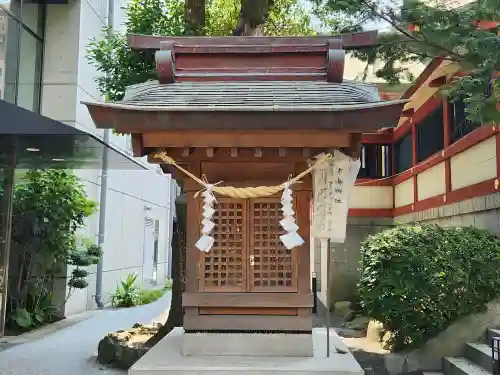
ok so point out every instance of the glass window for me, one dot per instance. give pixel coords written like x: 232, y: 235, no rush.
x: 21, y: 53
x: 430, y: 135
x: 375, y: 161
x: 28, y: 90
x: 404, y: 153
x: 460, y: 124
x: 29, y: 12
x: 9, y: 55
x: 32, y: 16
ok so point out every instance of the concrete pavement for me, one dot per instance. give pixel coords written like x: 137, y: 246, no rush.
x: 72, y: 350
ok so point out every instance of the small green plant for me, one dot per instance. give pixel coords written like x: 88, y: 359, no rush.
x: 127, y: 293
x: 150, y: 295
x: 168, y: 284
x: 82, y: 258
x: 39, y: 308
x: 418, y: 279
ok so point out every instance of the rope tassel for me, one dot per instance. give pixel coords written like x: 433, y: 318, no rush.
x: 206, y: 241
x: 291, y: 239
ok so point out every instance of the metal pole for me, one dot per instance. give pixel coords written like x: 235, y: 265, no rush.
x: 315, y: 293
x: 6, y: 225
x: 328, y: 298
x: 104, y: 186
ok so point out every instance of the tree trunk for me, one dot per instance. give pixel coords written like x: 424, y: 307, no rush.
x: 176, y: 314
x: 253, y: 16
x: 194, y: 17
x: 194, y: 25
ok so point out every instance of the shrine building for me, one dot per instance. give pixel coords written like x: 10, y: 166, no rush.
x: 247, y: 112
x: 435, y: 166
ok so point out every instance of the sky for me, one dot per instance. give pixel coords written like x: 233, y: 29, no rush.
x: 370, y: 25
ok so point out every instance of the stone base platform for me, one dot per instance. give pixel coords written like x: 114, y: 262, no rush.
x: 166, y: 358
x: 248, y: 345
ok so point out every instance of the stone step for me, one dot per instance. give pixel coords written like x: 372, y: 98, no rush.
x: 480, y: 354
x: 492, y: 333
x: 166, y: 358
x: 463, y: 366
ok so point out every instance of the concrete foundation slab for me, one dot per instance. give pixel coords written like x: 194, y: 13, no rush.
x: 248, y: 345
x: 166, y: 358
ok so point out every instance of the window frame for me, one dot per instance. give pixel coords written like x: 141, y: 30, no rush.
x: 39, y: 37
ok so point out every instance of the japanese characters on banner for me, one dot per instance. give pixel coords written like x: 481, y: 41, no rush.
x: 333, y: 183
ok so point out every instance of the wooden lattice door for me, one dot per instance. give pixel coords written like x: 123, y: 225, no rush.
x: 247, y: 255
x: 224, y: 267
x: 273, y: 268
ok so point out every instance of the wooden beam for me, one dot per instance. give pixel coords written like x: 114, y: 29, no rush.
x: 269, y: 138
x: 137, y: 145
x: 247, y: 154
x: 265, y: 300
x: 300, y: 44
x: 186, y: 152
x: 354, y: 150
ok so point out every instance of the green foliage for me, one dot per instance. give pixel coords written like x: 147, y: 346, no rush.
x: 49, y: 206
x: 82, y: 257
x: 285, y: 18
x: 418, y: 279
x: 121, y: 67
x: 443, y: 31
x: 39, y: 308
x: 150, y: 295
x: 127, y: 293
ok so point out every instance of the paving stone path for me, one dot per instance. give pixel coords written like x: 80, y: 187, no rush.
x: 73, y: 350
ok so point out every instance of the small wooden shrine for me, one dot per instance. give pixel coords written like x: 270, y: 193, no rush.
x: 247, y: 112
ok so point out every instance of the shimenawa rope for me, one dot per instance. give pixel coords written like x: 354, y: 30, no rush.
x: 245, y: 192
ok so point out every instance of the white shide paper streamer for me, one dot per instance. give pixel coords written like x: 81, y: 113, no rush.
x: 291, y: 238
x: 206, y: 241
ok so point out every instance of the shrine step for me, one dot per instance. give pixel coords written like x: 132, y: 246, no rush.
x: 166, y: 358
x: 247, y: 344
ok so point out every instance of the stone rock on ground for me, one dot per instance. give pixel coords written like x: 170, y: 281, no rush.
x: 344, y: 309
x: 359, y: 324
x: 121, y: 349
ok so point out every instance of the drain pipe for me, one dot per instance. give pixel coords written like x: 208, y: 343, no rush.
x: 104, y: 185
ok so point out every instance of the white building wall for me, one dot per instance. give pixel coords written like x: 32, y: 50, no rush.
x: 133, y: 195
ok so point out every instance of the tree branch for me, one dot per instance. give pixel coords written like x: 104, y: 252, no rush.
x: 392, y: 22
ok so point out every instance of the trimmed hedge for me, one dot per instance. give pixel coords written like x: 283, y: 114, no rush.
x: 419, y: 279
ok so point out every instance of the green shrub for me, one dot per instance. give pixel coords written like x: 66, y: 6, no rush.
x: 418, y: 279
x: 150, y: 295
x: 168, y: 284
